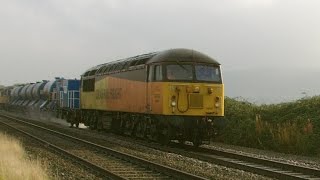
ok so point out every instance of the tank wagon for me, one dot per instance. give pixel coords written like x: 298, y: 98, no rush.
x: 172, y: 94
x: 48, y: 96
x: 25, y: 94
x: 36, y: 99
x: 15, y: 98
x: 53, y: 96
x: 28, y: 95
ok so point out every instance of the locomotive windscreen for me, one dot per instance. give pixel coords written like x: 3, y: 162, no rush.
x: 208, y: 73
x: 190, y: 72
x: 179, y: 72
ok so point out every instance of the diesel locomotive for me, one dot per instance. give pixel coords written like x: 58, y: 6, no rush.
x: 173, y: 94
x: 176, y: 94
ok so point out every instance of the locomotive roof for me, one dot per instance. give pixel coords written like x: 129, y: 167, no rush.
x: 171, y: 55
x: 183, y: 55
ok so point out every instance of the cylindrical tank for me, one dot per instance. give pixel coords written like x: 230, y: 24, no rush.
x: 23, y: 93
x: 48, y: 88
x: 37, y: 89
x: 16, y: 91
x: 12, y: 92
x: 29, y: 91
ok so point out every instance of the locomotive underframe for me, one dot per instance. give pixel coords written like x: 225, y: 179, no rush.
x: 160, y: 128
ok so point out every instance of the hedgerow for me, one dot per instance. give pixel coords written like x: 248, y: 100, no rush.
x: 292, y: 127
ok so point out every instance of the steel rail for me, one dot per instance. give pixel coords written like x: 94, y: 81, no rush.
x: 269, y: 168
x: 175, y: 173
x: 281, y: 169
x: 95, y: 168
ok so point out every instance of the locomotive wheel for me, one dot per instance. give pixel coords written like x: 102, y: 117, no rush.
x: 140, y: 129
x: 163, y: 139
x: 196, y: 139
x: 137, y: 128
x: 99, y: 125
x: 122, y: 128
x: 196, y: 142
x: 181, y: 140
x: 86, y: 119
x: 93, y: 125
x: 153, y: 130
x: 93, y: 122
x: 163, y: 136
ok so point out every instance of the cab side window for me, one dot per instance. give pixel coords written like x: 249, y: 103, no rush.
x: 150, y: 76
x: 155, y: 73
x: 158, y: 73
x: 88, y: 85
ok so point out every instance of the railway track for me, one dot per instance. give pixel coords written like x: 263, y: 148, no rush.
x: 255, y: 165
x: 116, y: 165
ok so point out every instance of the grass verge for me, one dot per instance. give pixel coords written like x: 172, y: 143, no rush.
x: 14, y: 163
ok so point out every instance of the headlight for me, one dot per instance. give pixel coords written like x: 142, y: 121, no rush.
x: 210, y: 90
x: 217, y: 105
x: 173, y: 103
x: 196, y: 89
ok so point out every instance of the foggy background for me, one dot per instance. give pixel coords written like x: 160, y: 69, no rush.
x: 269, y: 49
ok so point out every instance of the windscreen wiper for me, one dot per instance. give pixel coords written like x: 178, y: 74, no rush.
x: 182, y: 66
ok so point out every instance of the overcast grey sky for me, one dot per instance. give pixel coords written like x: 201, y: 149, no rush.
x: 42, y: 39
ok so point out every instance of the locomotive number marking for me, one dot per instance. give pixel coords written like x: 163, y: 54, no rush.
x: 110, y: 94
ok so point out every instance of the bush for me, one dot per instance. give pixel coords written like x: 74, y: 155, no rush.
x: 287, y: 127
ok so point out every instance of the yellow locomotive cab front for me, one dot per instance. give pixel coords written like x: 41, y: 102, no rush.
x: 187, y: 97
x: 184, y: 92
x: 197, y: 99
